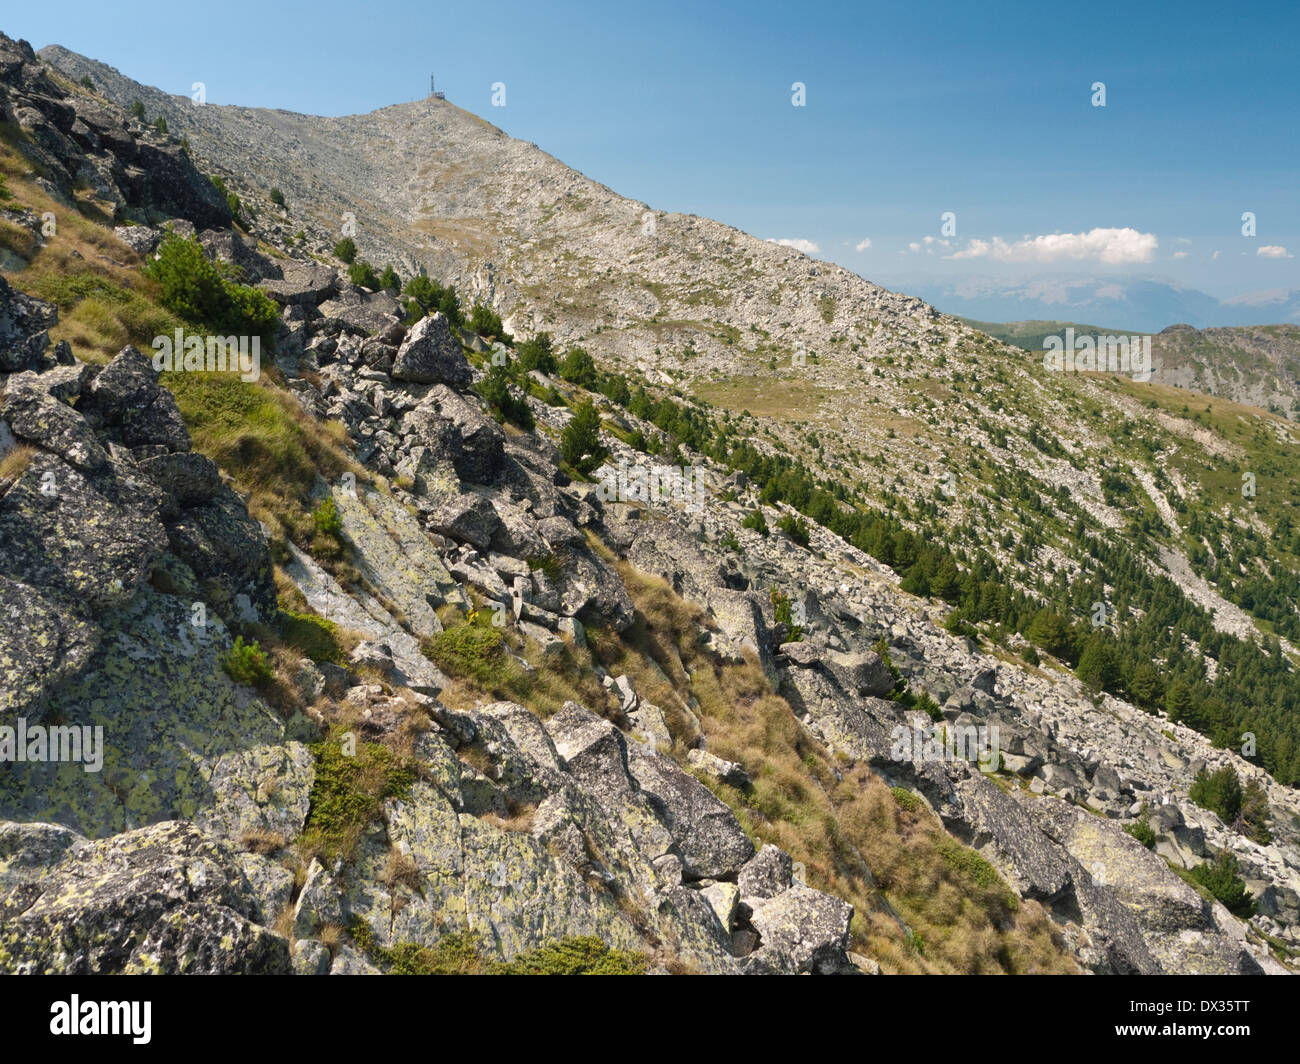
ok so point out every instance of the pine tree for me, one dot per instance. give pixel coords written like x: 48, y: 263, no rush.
x: 580, y: 442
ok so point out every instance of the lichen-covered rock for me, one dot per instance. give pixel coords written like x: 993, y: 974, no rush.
x: 127, y: 397
x: 141, y: 239
x: 739, y: 616
x: 706, y: 834
x: 35, y: 415
x: 24, y: 321
x: 591, y: 590
x: 430, y: 354
x: 593, y: 751
x: 662, y: 548
x: 270, y: 883
x: 731, y: 773
x: 162, y: 899
x: 75, y: 545
x: 395, y: 557
x: 226, y: 549
x: 186, y: 479
x: 469, y: 518
x: 365, y: 614
x: 1180, y: 928
x: 457, y: 430
x: 861, y: 673
x: 768, y: 873
x: 179, y: 738
x: 800, y: 930
x: 312, y: 958
x: 318, y: 904
x: 302, y: 284
x: 363, y: 313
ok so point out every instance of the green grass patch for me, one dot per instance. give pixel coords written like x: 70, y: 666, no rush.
x: 474, y: 651
x: 460, y: 954
x: 313, y: 636
x: 352, y: 781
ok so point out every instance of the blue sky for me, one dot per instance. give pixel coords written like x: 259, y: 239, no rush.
x: 912, y: 109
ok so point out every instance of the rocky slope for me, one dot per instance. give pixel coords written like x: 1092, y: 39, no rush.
x: 1258, y: 365
x: 874, y: 388
x: 222, y: 834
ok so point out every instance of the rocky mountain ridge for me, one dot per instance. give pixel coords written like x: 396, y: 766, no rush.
x: 609, y: 815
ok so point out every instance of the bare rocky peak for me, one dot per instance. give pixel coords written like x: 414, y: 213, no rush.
x: 431, y: 185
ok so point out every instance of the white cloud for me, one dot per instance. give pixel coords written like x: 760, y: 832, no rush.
x: 1111, y: 246
x: 1273, y: 251
x: 864, y: 244
x: 1214, y: 256
x: 1181, y: 254
x: 928, y: 244
x: 806, y: 246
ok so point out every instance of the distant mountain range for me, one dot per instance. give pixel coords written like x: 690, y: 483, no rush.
x: 1258, y: 365
x: 1146, y: 305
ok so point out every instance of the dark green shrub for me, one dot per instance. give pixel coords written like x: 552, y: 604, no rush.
x: 1051, y: 632
x: 487, y: 322
x: 574, y: 956
x: 389, y: 281
x: 346, y: 250
x: 546, y: 563
x: 796, y: 528
x: 495, y: 388
x: 473, y: 651
x: 579, y: 368
x: 348, y: 793
x: 1222, y: 879
x: 425, y: 295
x: 313, y: 636
x: 460, y: 953
x: 455, y: 954
x: 194, y: 289
x: 784, y: 609
x: 580, y: 442
x: 906, y: 800
x: 277, y: 197
x: 1220, y: 792
x: 1142, y: 830
x: 137, y: 110
x: 1097, y: 666
x: 362, y: 274
x: 537, y: 354
x: 232, y: 200
x: 922, y: 703
x: 326, y: 518
x: 958, y: 625
x: 246, y: 663
x: 1254, y: 813
x: 615, y: 389
x: 756, y: 521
